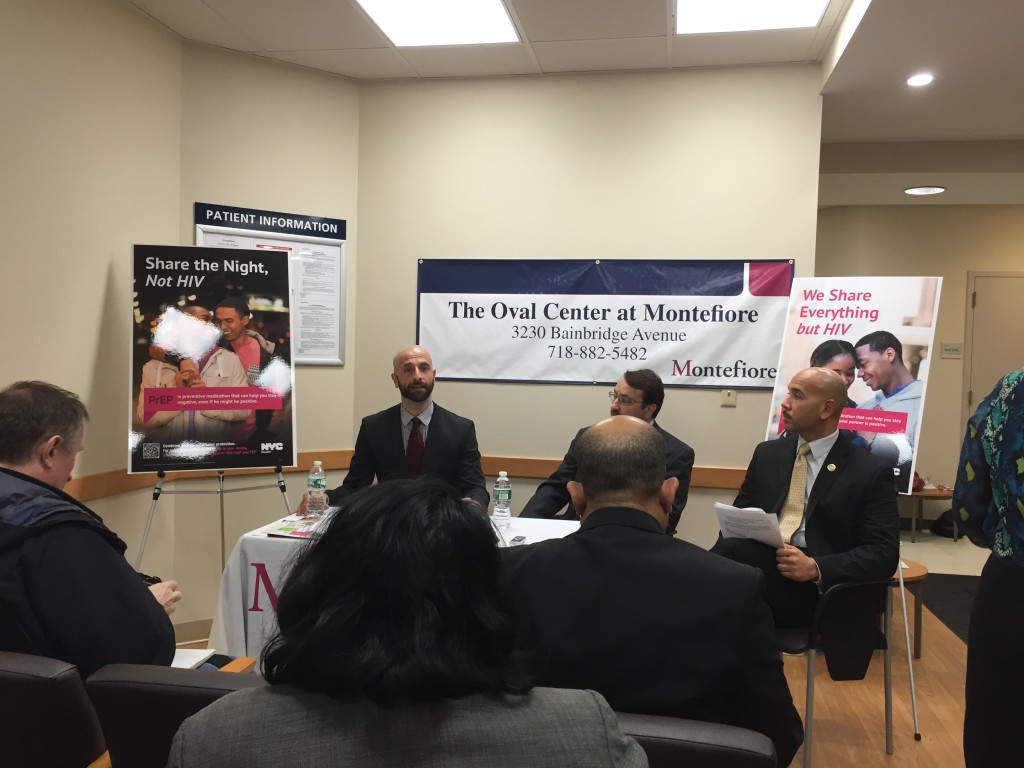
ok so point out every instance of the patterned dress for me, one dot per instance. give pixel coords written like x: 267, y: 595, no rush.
x: 989, y: 492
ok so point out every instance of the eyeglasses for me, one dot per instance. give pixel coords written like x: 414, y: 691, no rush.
x: 624, y: 401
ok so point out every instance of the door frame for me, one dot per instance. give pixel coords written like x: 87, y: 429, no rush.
x: 966, y: 407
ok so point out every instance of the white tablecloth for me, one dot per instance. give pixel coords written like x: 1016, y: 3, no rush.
x: 246, y: 607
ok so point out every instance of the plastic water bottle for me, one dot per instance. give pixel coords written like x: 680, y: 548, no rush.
x: 316, y: 490
x: 502, y: 500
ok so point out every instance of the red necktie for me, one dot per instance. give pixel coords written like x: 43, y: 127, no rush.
x: 414, y: 450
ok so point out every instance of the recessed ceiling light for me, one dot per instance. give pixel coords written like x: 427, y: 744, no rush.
x: 442, y: 22
x: 924, y: 190
x: 702, y: 16
x: 921, y: 78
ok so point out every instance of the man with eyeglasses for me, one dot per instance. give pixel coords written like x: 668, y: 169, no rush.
x: 639, y: 394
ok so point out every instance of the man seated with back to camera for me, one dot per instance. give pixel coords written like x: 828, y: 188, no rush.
x: 640, y: 394
x: 653, y: 623
x: 66, y: 590
x: 395, y: 648
x: 836, y: 504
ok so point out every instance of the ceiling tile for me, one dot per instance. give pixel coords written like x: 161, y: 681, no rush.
x: 471, y: 60
x: 360, y: 63
x: 547, y: 20
x: 301, y: 25
x: 194, y: 20
x: 599, y: 55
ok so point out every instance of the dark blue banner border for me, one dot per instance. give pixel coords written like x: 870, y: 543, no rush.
x: 568, y: 277
x: 210, y: 215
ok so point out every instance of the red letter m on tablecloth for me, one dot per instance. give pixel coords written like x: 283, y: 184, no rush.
x: 262, y: 577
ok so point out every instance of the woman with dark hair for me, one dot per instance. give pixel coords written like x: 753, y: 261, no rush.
x: 395, y: 648
x: 837, y: 355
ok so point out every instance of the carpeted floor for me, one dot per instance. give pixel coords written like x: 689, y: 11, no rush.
x: 951, y: 598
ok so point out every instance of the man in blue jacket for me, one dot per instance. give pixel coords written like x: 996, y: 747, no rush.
x: 66, y: 590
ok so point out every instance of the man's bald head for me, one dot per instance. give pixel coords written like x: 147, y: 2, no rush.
x: 406, y: 354
x: 621, y: 459
x: 832, y: 385
x: 814, y: 403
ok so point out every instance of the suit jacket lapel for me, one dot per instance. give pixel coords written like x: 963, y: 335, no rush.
x: 838, y: 458
x: 395, y: 444
x: 435, y: 433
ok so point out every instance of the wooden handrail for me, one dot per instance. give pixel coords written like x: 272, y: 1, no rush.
x: 115, y: 481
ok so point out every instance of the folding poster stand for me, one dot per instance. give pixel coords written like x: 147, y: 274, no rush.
x: 158, y: 489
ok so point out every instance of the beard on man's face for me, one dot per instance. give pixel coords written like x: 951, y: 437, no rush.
x: 417, y: 393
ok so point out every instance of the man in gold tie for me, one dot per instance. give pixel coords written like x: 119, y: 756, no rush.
x: 836, y: 504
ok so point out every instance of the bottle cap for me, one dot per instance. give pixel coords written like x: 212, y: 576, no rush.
x: 317, y: 464
x: 503, y: 474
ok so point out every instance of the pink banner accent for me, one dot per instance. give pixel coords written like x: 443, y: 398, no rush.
x: 769, y: 279
x: 208, y: 399
x: 870, y: 420
x: 263, y: 577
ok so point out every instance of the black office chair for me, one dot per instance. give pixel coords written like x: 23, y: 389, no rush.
x: 141, y: 707
x: 46, y: 717
x: 808, y: 640
x: 675, y: 742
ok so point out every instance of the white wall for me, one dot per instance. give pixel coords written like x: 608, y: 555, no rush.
x: 717, y: 164
x: 712, y: 164
x: 113, y: 128
x: 90, y: 161
x: 258, y: 134
x: 928, y: 240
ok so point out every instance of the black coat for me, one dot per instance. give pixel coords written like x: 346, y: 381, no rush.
x: 66, y: 591
x: 450, y: 454
x: 852, y: 527
x: 852, y: 533
x: 552, y: 495
x: 654, y: 624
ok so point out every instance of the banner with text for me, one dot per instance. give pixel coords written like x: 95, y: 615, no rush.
x: 694, y: 323
x: 877, y: 333
x: 211, y: 379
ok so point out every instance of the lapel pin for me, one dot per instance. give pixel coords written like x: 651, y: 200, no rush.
x: 831, y: 467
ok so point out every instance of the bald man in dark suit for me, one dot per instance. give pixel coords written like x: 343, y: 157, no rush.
x: 447, y: 442
x: 846, y: 523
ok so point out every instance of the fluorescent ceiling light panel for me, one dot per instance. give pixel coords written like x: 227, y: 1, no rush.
x: 701, y: 16
x: 442, y: 22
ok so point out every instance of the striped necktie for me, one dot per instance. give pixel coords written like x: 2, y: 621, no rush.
x: 793, y: 510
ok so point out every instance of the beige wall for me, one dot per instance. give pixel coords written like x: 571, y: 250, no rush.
x: 928, y: 240
x: 111, y: 141
x: 112, y: 128
x: 90, y: 159
x: 256, y: 134
x: 118, y: 135
x: 718, y: 164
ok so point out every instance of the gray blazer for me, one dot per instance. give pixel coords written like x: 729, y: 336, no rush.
x: 282, y: 725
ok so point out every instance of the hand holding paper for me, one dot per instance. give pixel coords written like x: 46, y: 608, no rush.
x: 751, y: 523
